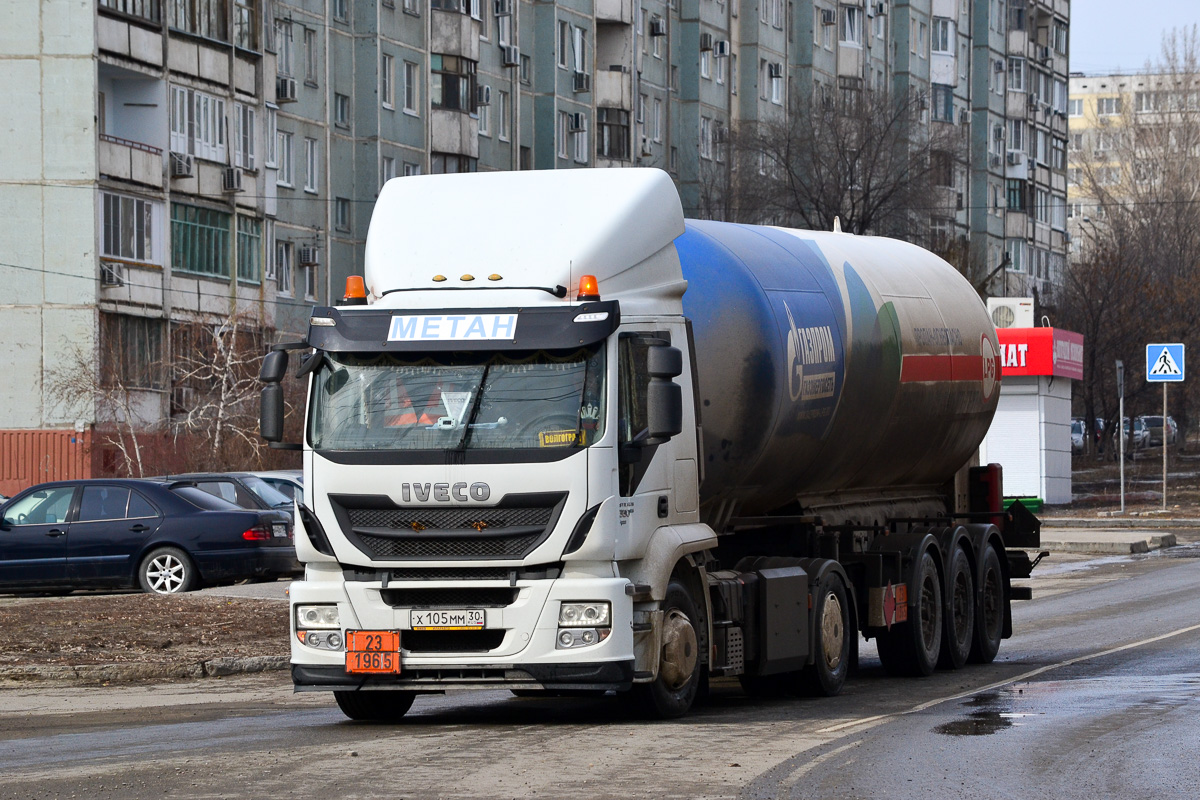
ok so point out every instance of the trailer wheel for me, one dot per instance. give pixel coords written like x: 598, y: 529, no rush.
x: 831, y: 641
x: 989, y: 610
x: 913, y: 647
x: 959, y: 629
x: 672, y: 691
x: 382, y: 706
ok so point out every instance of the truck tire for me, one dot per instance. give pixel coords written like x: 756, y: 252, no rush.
x: 989, y: 610
x: 959, y: 630
x: 379, y: 706
x: 913, y: 647
x: 167, y: 570
x: 826, y: 676
x: 672, y: 691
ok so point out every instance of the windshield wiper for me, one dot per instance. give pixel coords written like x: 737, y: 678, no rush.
x: 466, y: 435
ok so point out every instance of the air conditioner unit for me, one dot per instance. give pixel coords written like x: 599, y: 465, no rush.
x: 828, y: 16
x: 582, y: 82
x: 1043, y: 53
x: 1032, y: 101
x: 1016, y: 157
x: 721, y: 49
x: 483, y: 95
x: 308, y: 256
x: 576, y: 122
x: 112, y: 274
x: 231, y: 179
x: 964, y: 116
x: 1011, y: 312
x: 646, y: 151
x: 658, y: 26
x: 880, y: 9
x: 706, y: 41
x: 181, y: 165
x: 775, y: 70
x: 285, y: 89
x: 997, y: 66
x: 503, y: 8
x: 511, y: 55
x: 994, y: 160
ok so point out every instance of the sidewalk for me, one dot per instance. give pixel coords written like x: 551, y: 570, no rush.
x: 1108, y: 540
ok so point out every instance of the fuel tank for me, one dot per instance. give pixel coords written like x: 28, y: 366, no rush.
x: 832, y: 368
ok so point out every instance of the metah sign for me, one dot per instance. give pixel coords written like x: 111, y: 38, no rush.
x: 1164, y: 363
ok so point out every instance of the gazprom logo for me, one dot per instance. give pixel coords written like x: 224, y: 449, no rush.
x: 452, y: 327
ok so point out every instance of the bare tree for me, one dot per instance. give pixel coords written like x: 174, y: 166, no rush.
x: 868, y: 159
x: 1137, y: 172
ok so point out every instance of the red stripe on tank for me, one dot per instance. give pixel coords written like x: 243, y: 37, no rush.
x: 926, y: 368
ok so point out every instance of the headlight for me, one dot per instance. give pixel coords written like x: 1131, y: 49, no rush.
x: 324, y: 616
x: 585, y: 615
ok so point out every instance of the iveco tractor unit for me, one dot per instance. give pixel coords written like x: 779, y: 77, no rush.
x: 560, y: 439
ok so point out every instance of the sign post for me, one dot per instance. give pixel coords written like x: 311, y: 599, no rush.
x: 1164, y: 364
x: 1120, y: 428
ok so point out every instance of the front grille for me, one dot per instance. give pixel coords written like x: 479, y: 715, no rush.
x: 451, y: 574
x: 509, y: 530
x: 451, y: 641
x: 457, y: 597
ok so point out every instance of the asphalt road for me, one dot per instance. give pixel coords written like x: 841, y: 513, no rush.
x: 1096, y: 696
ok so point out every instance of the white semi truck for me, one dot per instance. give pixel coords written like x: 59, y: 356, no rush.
x: 561, y: 439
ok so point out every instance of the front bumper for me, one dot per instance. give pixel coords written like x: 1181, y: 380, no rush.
x: 522, y: 654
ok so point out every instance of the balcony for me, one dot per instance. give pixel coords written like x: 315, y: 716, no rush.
x: 615, y: 11
x: 614, y: 89
x: 127, y: 160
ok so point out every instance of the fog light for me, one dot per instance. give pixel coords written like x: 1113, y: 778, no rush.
x: 565, y: 639
x: 587, y: 636
x: 313, y: 639
x: 335, y: 641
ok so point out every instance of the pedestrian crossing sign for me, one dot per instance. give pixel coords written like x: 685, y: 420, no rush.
x: 1164, y: 363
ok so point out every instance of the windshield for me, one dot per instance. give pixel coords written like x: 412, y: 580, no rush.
x: 459, y: 401
x: 266, y: 492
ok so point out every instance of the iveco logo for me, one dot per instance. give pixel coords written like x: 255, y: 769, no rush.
x: 444, y: 492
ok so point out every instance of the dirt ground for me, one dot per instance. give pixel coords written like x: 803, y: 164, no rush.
x: 1096, y: 484
x: 88, y: 628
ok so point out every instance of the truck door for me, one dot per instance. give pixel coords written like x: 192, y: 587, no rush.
x: 33, y: 538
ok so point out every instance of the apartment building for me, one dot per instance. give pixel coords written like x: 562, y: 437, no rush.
x: 187, y: 160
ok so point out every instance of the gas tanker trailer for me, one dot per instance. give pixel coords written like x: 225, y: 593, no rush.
x: 560, y: 439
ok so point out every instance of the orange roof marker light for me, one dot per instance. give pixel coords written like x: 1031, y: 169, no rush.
x: 356, y: 291
x: 589, y: 288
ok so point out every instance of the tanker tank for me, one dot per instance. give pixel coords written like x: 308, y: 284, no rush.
x: 834, y: 371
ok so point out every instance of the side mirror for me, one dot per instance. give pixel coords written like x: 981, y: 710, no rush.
x: 664, y: 397
x: 274, y: 367
x: 271, y: 412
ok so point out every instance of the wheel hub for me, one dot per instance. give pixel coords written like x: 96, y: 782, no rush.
x: 679, y: 649
x: 832, y: 633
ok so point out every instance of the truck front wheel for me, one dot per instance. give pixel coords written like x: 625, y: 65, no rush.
x: 385, y: 706
x: 831, y: 643
x: 672, y: 691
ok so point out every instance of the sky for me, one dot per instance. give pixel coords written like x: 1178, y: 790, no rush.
x: 1121, y: 35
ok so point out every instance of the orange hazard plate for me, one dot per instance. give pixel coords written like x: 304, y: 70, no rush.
x: 373, y: 652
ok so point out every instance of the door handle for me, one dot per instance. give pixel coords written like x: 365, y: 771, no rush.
x: 55, y: 532
x: 139, y: 528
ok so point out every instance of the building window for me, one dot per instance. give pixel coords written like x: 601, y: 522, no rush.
x: 503, y: 113
x: 411, y: 169
x: 582, y: 153
x: 721, y: 71
x: 1075, y: 107
x: 310, y: 56
x: 340, y: 9
x: 564, y: 42
x: 705, y: 64
x: 131, y: 351
x: 658, y: 120
x: 943, y: 103
x: 341, y: 214
x: 387, y: 169
x: 128, y: 227
x: 199, y: 240
x: 656, y: 48
x: 453, y: 85
x: 341, y: 110
x: 412, y: 7
x: 579, y: 50
x: 411, y: 87
x: 245, y: 24
x: 283, y: 47
x: 851, y: 31
x: 485, y: 121
x: 284, y: 252
x: 641, y: 109
x: 146, y: 9
x: 612, y: 133
x: 1016, y: 135
x: 311, y: 165
x: 444, y: 163
x: 563, y: 128
x: 271, y: 135
x: 1016, y: 194
x: 943, y: 36
x: 283, y: 141
x: 249, y: 249
x: 387, y: 92
x: 244, y: 136
x: 1108, y: 106
x: 202, y: 17
x: 310, y: 281
x: 197, y: 124
x: 705, y: 137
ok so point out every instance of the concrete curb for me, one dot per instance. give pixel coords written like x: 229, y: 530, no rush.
x: 1118, y: 522
x: 137, y: 672
x: 1126, y: 547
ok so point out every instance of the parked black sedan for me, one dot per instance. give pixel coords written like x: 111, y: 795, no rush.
x: 163, y: 536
